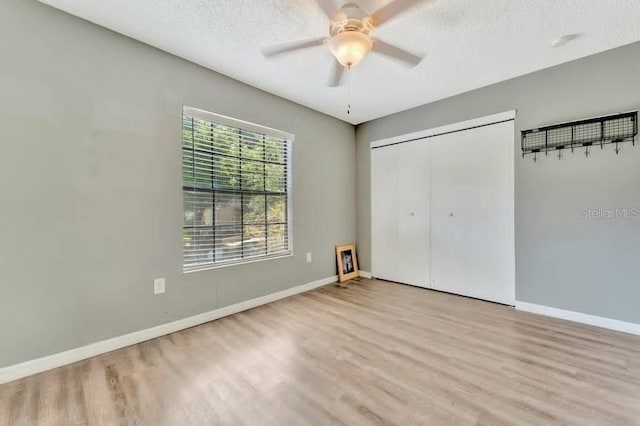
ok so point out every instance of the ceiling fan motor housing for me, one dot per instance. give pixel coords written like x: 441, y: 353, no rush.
x: 351, y: 18
x: 350, y: 41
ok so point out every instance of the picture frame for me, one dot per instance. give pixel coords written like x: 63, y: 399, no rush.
x: 347, y: 262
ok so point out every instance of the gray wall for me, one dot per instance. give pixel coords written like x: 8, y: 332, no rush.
x: 562, y: 260
x: 90, y: 183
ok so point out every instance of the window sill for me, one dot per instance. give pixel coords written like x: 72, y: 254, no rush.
x: 238, y: 263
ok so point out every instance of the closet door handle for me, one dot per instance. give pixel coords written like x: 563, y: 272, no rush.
x: 450, y: 214
x: 412, y: 214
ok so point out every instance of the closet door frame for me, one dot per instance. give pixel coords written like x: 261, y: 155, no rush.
x: 449, y: 128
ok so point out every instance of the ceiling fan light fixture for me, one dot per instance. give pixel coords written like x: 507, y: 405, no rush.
x: 350, y: 47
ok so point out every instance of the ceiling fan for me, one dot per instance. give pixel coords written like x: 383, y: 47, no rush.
x: 349, y: 40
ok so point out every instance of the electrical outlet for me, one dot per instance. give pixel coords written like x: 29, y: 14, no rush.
x: 309, y: 257
x: 158, y: 286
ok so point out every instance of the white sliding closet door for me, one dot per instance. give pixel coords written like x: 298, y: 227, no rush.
x: 472, y: 213
x: 400, y: 212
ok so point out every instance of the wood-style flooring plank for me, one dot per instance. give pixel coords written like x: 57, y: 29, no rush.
x: 369, y: 353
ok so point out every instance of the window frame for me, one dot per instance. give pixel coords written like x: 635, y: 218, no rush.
x: 240, y: 125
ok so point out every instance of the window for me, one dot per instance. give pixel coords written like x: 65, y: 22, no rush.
x: 237, y: 190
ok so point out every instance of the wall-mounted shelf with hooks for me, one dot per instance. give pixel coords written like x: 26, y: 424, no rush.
x: 600, y: 131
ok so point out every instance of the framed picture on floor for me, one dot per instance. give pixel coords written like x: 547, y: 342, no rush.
x: 347, y: 262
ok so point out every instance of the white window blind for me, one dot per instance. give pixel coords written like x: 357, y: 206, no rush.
x: 237, y: 190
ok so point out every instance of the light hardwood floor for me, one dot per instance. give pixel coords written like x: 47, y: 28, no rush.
x: 372, y: 353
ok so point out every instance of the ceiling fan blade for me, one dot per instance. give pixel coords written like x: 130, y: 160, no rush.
x: 279, y: 49
x: 337, y: 71
x: 394, y: 52
x: 327, y: 7
x: 393, y: 9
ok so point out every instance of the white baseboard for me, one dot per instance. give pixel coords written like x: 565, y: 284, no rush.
x: 28, y: 368
x: 365, y: 274
x: 612, y: 324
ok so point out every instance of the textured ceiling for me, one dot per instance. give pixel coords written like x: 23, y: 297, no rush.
x: 467, y: 44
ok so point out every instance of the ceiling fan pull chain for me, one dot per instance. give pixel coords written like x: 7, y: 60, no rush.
x: 348, y: 90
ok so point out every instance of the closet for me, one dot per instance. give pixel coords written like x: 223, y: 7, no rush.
x: 443, y: 209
